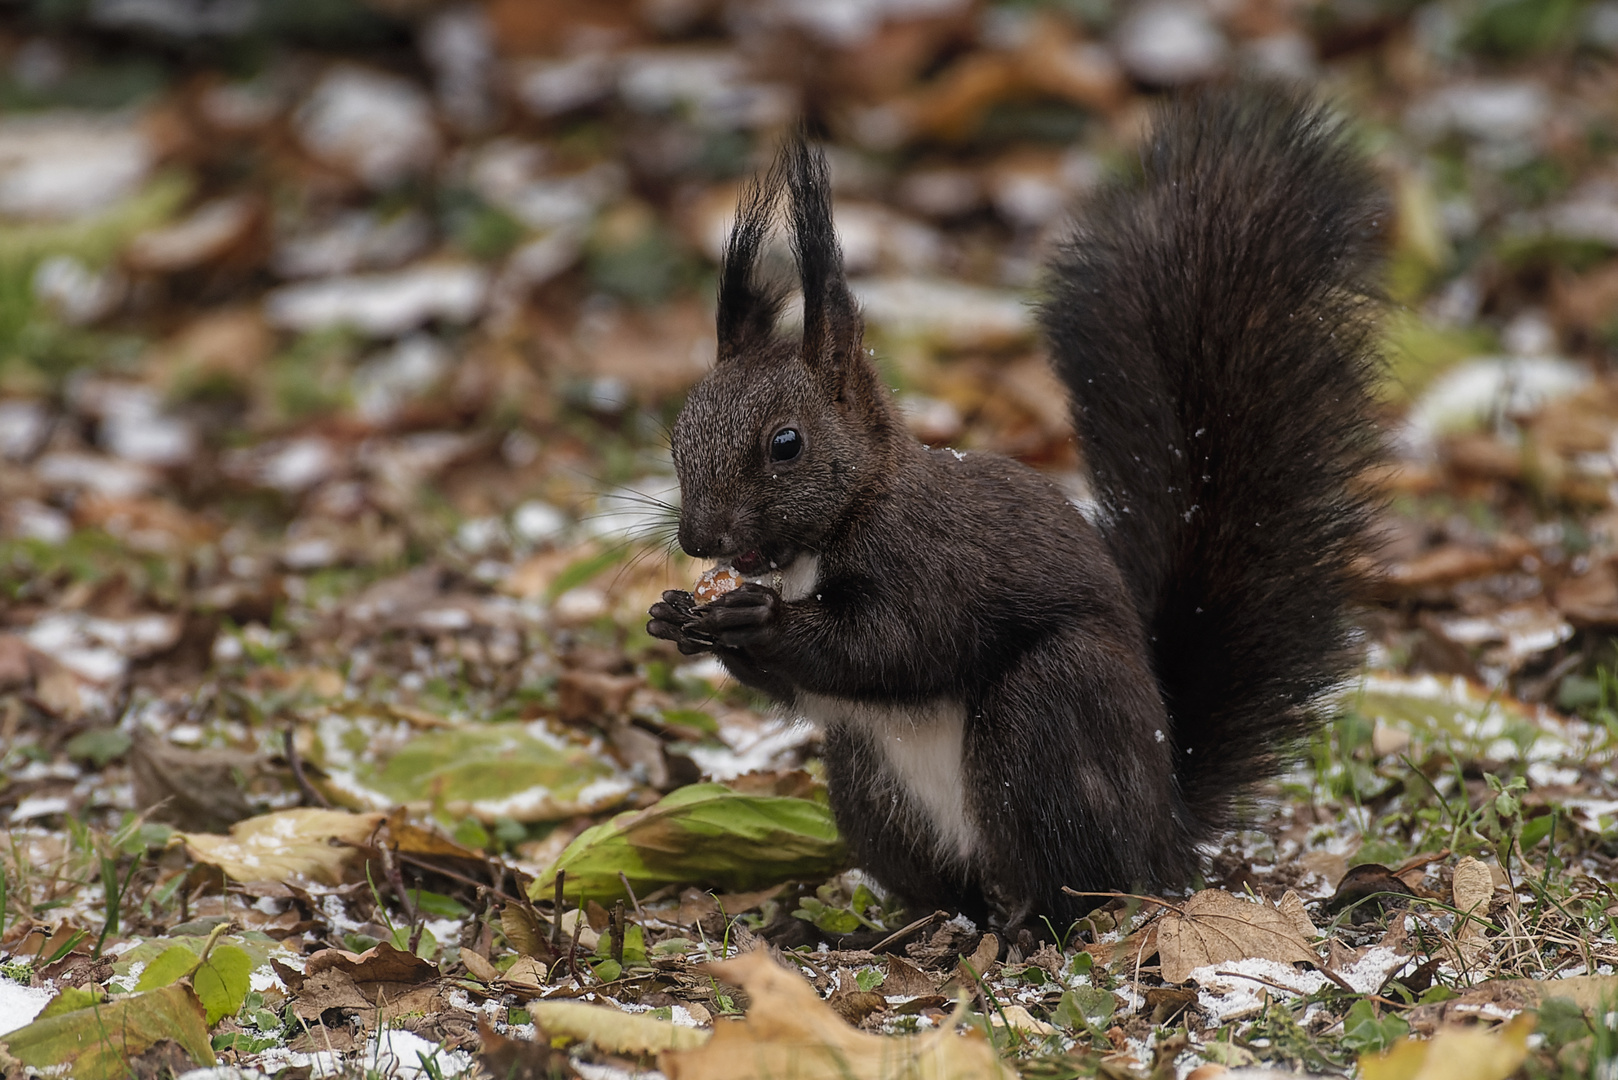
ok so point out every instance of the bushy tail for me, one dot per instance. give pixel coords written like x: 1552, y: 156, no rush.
x: 1214, y: 320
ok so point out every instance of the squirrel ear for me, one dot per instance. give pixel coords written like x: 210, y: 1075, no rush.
x: 748, y: 309
x: 832, y: 328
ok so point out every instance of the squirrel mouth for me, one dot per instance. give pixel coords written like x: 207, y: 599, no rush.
x: 750, y: 563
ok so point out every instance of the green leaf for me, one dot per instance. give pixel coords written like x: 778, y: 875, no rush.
x: 1536, y: 830
x: 1366, y: 1033
x: 1561, y: 1021
x: 98, y: 745
x: 70, y: 1000
x: 703, y: 834
x: 437, y: 905
x: 608, y: 970
x: 634, y: 946
x: 258, y: 946
x: 833, y: 920
x: 173, y: 964
x: 868, y: 979
x: 692, y: 718
x: 1085, y: 1009
x: 487, y: 771
x: 96, y: 1043
x: 579, y: 571
x: 221, y: 981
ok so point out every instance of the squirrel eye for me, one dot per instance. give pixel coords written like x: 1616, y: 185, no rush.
x: 786, y: 444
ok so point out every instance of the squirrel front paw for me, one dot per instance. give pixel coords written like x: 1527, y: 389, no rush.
x: 671, y: 621
x: 744, y: 618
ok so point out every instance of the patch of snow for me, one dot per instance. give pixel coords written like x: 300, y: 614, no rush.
x: 325, y: 1065
x: 381, y: 305
x: 92, y: 472
x: 751, y: 750
x: 538, y: 522
x: 404, y: 1054
x: 20, y: 1004
x: 75, y: 292
x: 1239, y: 988
x: 1478, y: 391
x: 377, y: 126
x: 65, y: 165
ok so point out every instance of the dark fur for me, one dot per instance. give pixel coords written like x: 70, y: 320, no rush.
x: 1122, y: 686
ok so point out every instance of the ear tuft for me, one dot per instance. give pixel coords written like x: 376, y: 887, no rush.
x: 831, y: 323
x: 748, y: 308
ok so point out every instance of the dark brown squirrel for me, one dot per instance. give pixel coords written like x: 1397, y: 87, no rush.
x: 1015, y: 699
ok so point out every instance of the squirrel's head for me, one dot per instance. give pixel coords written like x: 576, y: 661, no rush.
x: 783, y: 439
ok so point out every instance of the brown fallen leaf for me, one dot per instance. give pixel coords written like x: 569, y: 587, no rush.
x: 524, y: 932
x: 190, y: 789
x: 1291, y: 906
x: 905, y: 979
x: 1215, y: 927
x: 789, y: 1031
x: 1473, y: 888
x: 478, y: 967
x: 521, y: 1059
x: 397, y: 981
x: 1490, y: 998
x: 1590, y: 600
x: 1361, y: 887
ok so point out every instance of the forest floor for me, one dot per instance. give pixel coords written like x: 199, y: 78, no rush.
x: 338, y: 348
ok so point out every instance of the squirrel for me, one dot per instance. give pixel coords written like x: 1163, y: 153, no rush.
x: 1022, y: 701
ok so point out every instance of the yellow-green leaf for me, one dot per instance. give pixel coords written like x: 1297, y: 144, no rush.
x: 1454, y: 1054
x: 486, y: 771
x: 221, y: 981
x: 71, y: 999
x: 287, y: 844
x: 702, y: 834
x: 174, y: 964
x: 612, y: 1030
x: 96, y: 1043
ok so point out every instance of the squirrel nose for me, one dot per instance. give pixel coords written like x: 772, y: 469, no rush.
x: 703, y: 543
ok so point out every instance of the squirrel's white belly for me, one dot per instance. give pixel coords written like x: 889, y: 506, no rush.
x: 921, y: 748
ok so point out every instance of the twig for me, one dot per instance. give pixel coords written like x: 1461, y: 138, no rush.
x: 905, y: 931
x: 573, y: 948
x: 1127, y: 896
x: 628, y: 888
x: 310, y: 793
x: 556, y: 913
x: 427, y: 864
x: 390, y: 867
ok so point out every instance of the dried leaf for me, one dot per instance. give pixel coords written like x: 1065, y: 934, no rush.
x: 789, y: 1031
x: 524, y: 932
x: 479, y: 968
x: 191, y: 789
x: 400, y: 982
x: 314, y: 844
x: 1291, y: 906
x: 521, y: 1059
x: 611, y: 1030
x: 1473, y: 888
x: 1454, y: 1054
x: 1215, y: 927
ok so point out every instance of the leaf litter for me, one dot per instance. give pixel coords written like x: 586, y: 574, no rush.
x: 333, y: 491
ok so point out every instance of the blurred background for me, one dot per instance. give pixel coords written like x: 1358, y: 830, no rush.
x: 338, y: 339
